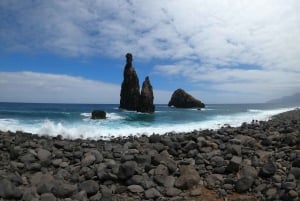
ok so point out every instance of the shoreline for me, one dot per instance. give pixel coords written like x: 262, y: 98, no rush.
x: 255, y: 161
x: 50, y: 128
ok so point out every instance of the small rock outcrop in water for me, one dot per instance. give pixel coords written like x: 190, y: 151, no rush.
x: 98, y: 114
x: 130, y: 91
x: 146, y: 98
x: 182, y: 99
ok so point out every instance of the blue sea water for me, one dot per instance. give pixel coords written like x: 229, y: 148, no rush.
x: 73, y: 120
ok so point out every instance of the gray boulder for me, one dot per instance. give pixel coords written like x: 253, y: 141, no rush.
x: 127, y: 169
x: 8, y: 190
x: 244, y: 183
x: 189, y: 177
x: 91, y: 187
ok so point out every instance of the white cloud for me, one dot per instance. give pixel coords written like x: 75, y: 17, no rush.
x: 42, y: 87
x: 203, y: 41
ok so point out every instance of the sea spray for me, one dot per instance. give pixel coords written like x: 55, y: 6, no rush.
x: 73, y: 120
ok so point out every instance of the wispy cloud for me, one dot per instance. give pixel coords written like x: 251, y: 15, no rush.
x: 226, y: 42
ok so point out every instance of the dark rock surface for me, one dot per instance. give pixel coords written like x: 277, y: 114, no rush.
x: 131, y: 97
x: 182, y: 99
x: 98, y: 114
x: 130, y: 90
x: 226, y: 164
x: 146, y: 99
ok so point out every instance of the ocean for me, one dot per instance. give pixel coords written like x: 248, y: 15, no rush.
x: 74, y: 120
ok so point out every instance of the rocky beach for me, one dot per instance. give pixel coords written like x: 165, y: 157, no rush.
x: 256, y: 161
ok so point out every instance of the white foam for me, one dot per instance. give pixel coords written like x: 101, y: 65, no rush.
x: 114, y: 116
x: 113, y: 127
x: 86, y: 114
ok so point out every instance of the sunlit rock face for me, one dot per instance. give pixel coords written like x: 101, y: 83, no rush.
x: 182, y: 99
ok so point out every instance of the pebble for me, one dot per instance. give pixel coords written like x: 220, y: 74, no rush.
x: 256, y: 159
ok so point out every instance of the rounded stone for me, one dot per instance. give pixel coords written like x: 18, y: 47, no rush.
x: 243, y: 184
x: 91, y: 187
x: 135, y: 188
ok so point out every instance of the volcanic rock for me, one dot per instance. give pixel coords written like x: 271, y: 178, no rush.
x: 90, y: 187
x: 130, y: 90
x: 9, y: 190
x: 98, y: 114
x: 146, y: 98
x: 182, y: 99
x: 268, y: 169
x: 244, y: 183
x: 127, y: 169
x: 152, y: 193
x: 188, y: 177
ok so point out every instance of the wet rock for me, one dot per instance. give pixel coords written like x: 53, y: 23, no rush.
x: 98, y: 114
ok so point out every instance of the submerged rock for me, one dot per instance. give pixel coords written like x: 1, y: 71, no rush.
x: 98, y: 114
x: 130, y: 90
x: 146, y: 98
x: 182, y: 99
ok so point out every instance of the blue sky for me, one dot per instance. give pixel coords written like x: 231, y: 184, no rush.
x: 220, y: 51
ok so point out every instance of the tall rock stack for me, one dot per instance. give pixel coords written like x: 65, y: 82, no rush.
x: 146, y: 98
x: 130, y: 91
x: 131, y: 98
